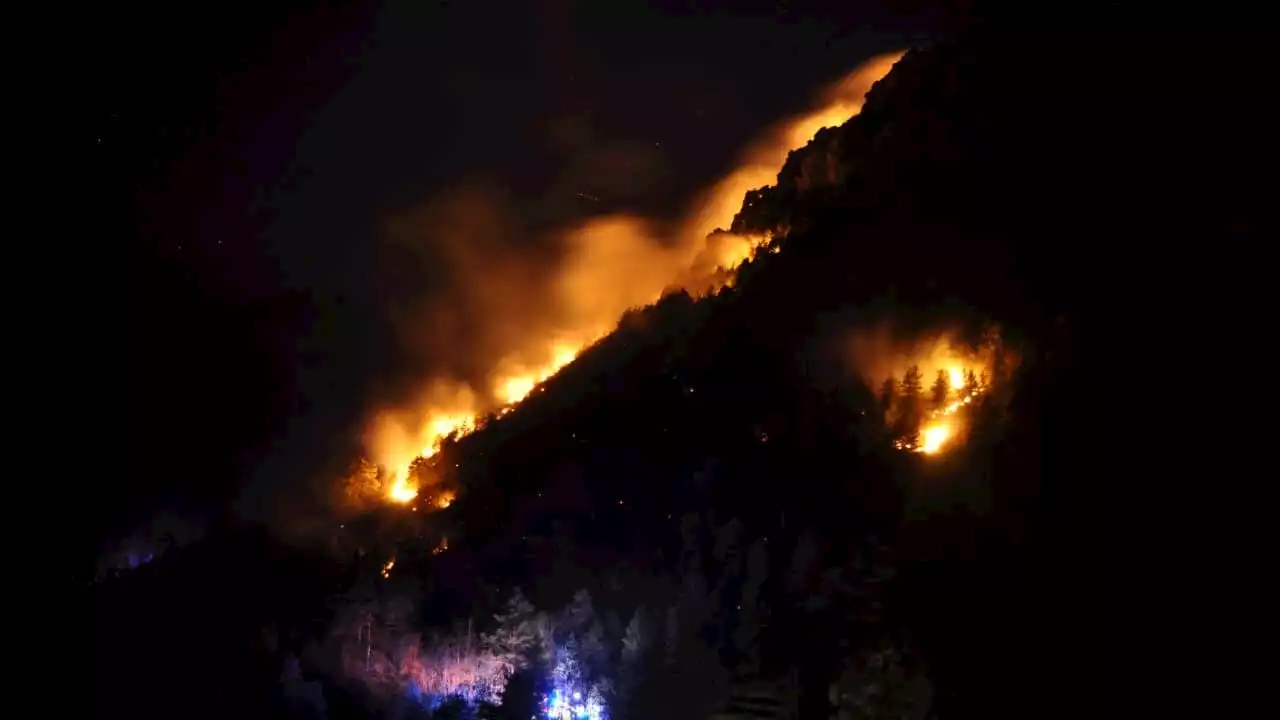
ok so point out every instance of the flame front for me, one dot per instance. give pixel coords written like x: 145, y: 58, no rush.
x: 933, y: 436
x: 401, y: 491
x: 934, y: 373
x: 615, y: 264
x: 514, y: 388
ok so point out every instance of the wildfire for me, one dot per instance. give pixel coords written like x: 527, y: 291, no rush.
x: 401, y: 491
x: 514, y: 388
x: 959, y: 378
x: 445, y: 500
x: 933, y: 436
x: 940, y: 427
x: 386, y: 568
x: 604, y: 279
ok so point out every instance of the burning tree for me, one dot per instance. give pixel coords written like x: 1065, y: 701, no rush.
x: 908, y: 422
x: 941, y: 389
x: 363, y: 486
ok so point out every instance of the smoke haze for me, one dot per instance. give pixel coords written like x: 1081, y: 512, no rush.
x: 510, y: 307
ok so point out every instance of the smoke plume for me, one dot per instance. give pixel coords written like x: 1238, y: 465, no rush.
x: 508, y: 308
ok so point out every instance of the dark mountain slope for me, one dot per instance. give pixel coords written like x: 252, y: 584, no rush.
x: 1012, y: 177
x: 992, y: 176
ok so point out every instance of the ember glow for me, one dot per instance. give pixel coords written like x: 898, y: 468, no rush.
x: 441, y: 546
x: 939, y: 430
x: 933, y: 436
x: 445, y: 499
x: 402, y: 491
x: 927, y: 388
x: 611, y: 264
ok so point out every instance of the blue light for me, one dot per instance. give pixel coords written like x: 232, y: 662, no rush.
x: 558, y: 708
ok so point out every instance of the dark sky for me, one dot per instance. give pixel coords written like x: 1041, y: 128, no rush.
x: 249, y: 158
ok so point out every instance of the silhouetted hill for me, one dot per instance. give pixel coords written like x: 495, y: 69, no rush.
x: 990, y: 177
x: 1010, y: 177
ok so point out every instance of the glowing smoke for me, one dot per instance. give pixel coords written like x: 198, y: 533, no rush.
x: 759, y: 165
x: 509, y: 319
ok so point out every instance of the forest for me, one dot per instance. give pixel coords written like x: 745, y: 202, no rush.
x: 721, y: 508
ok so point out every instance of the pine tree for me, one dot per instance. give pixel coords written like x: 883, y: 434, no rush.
x: 728, y: 554
x: 635, y: 661
x: 911, y: 383
x: 757, y: 571
x: 727, y: 541
x: 567, y: 672
x: 579, y: 615
x: 804, y: 564
x: 749, y: 612
x: 636, y: 639
x: 515, y: 637
x: 671, y: 637
x: 970, y: 383
x: 690, y: 540
x: 907, y: 423
x: 594, y: 654
x: 364, y: 484
x: 888, y: 395
x: 941, y: 388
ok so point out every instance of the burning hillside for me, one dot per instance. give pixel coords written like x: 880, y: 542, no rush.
x: 928, y: 387
x: 534, y: 328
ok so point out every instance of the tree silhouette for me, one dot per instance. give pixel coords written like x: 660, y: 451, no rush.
x: 364, y: 484
x: 908, y: 425
x: 636, y: 640
x: 970, y: 383
x: 516, y: 635
x: 594, y: 656
x: 941, y: 388
x: 911, y: 383
x: 749, y: 617
x: 888, y: 395
x: 423, y: 472
x: 578, y: 616
x: 567, y: 672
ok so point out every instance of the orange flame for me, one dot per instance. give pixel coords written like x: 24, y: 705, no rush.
x: 615, y: 263
x: 445, y: 500
x: 933, y: 436
x: 965, y: 373
x: 441, y: 546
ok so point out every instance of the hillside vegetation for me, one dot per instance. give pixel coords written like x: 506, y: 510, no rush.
x: 712, y: 503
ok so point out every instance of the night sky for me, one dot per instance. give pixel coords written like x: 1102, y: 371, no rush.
x: 249, y: 159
